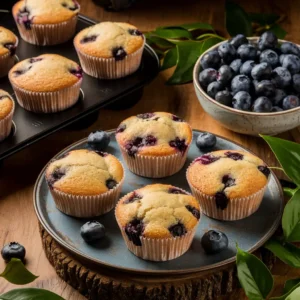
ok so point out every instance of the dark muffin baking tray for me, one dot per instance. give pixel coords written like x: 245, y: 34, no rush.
x: 30, y: 127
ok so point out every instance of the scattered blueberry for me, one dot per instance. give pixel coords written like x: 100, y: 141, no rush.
x: 290, y: 48
x: 177, y: 230
x: 207, y: 76
x: 268, y: 40
x: 247, y: 67
x: 269, y: 56
x: 265, y: 88
x: 92, y: 231
x: 240, y: 83
x: 224, y: 97
x: 214, y: 242
x: 296, y: 82
x: 238, y: 40
x: 261, y: 71
x: 242, y: 101
x: 227, y: 52
x: 247, y: 52
x: 225, y: 74
x: 281, y: 77
x: 13, y: 250
x: 281, y: 58
x: 236, y: 65
x: 290, y: 102
x: 292, y: 63
x: 262, y: 104
x: 206, y: 140
x: 99, y: 140
x: 211, y: 59
x: 278, y: 97
x: 213, y: 88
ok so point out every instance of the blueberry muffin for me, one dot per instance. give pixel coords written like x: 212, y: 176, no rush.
x: 154, y: 144
x: 48, y: 22
x: 110, y: 50
x: 85, y: 183
x: 46, y: 83
x: 7, y: 107
x: 228, y: 184
x: 158, y: 222
x: 8, y: 46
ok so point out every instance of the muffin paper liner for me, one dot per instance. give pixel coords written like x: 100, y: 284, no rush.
x: 109, y: 68
x: 48, y: 34
x: 6, y: 123
x: 48, y: 102
x: 7, y: 61
x: 237, y: 208
x: 87, y: 206
x: 154, y: 166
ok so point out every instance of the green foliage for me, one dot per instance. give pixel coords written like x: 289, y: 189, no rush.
x: 30, y: 294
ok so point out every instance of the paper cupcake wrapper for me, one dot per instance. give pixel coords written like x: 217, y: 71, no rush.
x: 48, y: 102
x: 7, y: 61
x: 6, y: 123
x: 87, y: 206
x: 154, y: 166
x: 48, y: 34
x: 109, y: 68
x: 237, y: 208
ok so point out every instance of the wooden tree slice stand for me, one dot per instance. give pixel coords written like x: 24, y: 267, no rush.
x: 108, y: 284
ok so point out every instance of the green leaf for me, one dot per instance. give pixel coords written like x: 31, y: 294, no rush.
x: 30, y: 294
x: 254, y: 276
x: 237, y: 20
x: 278, y: 30
x: 170, y: 59
x: 188, y: 52
x: 289, y: 192
x: 288, y: 155
x: 263, y: 19
x: 288, y: 253
x: 160, y: 42
x: 16, y: 273
x: 295, y: 295
x: 172, y: 33
x: 291, y: 219
x: 284, y: 297
x: 191, y: 26
x: 290, y: 285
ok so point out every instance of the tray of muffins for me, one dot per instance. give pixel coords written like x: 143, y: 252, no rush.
x: 155, y: 196
x: 57, y: 67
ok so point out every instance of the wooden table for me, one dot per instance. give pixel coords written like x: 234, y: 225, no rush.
x: 19, y: 172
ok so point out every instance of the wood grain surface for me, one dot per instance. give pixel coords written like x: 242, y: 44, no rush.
x: 19, y: 172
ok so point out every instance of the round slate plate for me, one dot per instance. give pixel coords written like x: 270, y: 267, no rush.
x: 250, y: 233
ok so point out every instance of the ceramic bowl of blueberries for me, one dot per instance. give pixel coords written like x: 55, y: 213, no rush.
x: 251, y: 85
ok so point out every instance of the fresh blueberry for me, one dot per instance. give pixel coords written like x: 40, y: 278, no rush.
x: 211, y: 59
x: 224, y: 97
x: 281, y: 77
x: 13, y: 250
x: 281, y: 58
x: 268, y: 40
x: 213, y: 88
x: 290, y: 48
x: 99, y: 140
x: 265, y: 88
x: 206, y: 140
x: 269, y: 56
x: 214, y: 242
x: 292, y: 63
x: 242, y: 101
x: 238, y: 40
x: 240, y: 83
x: 225, y: 74
x: 262, y: 104
x: 235, y: 65
x: 276, y: 109
x: 290, y: 102
x: 207, y: 76
x: 296, y: 82
x: 92, y: 231
x: 247, y: 67
x: 278, y: 97
x: 261, y: 71
x: 247, y: 52
x: 227, y: 52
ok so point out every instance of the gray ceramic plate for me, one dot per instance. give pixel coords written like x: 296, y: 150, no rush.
x: 250, y: 233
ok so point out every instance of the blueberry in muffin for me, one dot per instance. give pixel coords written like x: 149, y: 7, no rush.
x: 7, y: 107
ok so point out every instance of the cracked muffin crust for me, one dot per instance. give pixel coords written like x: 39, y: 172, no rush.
x: 84, y: 172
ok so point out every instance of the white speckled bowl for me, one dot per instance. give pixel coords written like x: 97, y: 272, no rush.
x: 243, y: 121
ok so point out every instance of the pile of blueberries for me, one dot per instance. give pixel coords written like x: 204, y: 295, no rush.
x: 259, y: 78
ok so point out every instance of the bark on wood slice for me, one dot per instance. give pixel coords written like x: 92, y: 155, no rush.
x: 105, y: 284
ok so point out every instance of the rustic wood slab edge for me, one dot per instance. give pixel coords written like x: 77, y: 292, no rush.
x: 96, y: 283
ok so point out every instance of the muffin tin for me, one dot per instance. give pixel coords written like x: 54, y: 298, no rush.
x: 29, y: 127
x: 111, y: 252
